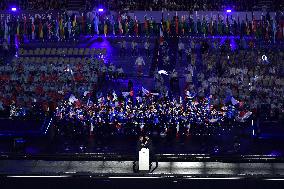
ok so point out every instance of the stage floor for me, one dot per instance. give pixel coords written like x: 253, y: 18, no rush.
x: 125, y: 168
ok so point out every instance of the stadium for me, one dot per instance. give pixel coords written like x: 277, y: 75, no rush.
x: 87, y: 85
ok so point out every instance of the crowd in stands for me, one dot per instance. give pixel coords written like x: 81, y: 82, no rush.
x: 147, y: 5
x: 36, y: 79
x: 185, y: 5
x: 43, y: 5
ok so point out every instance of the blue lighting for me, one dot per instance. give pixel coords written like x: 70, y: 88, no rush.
x: 101, y: 10
x: 229, y: 11
x: 13, y: 9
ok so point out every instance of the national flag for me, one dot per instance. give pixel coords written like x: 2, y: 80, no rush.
x: 86, y: 93
x: 168, y: 26
x: 112, y: 21
x: 176, y: 23
x: 161, y: 35
x: 234, y: 101
x: 183, y: 24
x: 33, y: 28
x: 61, y: 28
x: 96, y: 24
x: 126, y: 26
x: 74, y: 21
x: 57, y: 28
x: 243, y: 116
x: 18, y: 29
x: 247, y: 26
x: 274, y: 30
x: 120, y: 25
x: 253, y: 24
x: 136, y: 27
x: 105, y: 28
x: 145, y: 91
x: 146, y: 27
x: 40, y: 30
x: 83, y: 20
x: 211, y: 26
x: 72, y: 99
x: 125, y: 94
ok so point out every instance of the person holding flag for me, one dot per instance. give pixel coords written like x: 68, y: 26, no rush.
x: 161, y: 35
x: 25, y: 25
x: 136, y: 27
x: 168, y: 24
x: 40, y: 27
x: 33, y: 28
x: 74, y: 25
x: 57, y: 29
x: 176, y: 24
x: 49, y: 27
x: 247, y: 26
x: 227, y: 28
x: 218, y: 25
x: 126, y: 26
x: 183, y: 25
x: 274, y: 31
x: 211, y: 26
x: 151, y: 25
x: 83, y: 24
x: 18, y: 30
x: 162, y: 29
x: 61, y: 28
x: 113, y: 24
x: 204, y: 27
x: 69, y: 26
x: 146, y: 27
x: 96, y: 24
x: 140, y: 63
x: 120, y: 28
x: 105, y: 28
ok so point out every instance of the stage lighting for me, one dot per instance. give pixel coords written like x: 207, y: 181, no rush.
x: 13, y: 9
x: 229, y: 11
x: 101, y: 10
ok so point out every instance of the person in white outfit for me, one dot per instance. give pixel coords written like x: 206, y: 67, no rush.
x: 140, y: 63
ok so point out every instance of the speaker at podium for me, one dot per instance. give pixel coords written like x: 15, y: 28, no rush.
x: 144, y: 160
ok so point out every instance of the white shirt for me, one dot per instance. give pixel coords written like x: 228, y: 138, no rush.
x: 146, y: 45
x: 140, y: 61
x: 180, y: 46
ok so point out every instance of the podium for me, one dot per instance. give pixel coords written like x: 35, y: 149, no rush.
x: 144, y: 160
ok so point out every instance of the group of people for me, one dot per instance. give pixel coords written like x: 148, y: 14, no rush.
x: 127, y: 113
x: 27, y: 81
x: 184, y: 5
x: 147, y: 5
x: 63, y: 27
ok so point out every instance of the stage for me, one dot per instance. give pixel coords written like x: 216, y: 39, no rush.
x: 111, y: 174
x: 125, y: 169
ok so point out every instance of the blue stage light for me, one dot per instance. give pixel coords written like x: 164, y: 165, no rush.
x: 229, y: 11
x: 13, y: 9
x: 101, y: 10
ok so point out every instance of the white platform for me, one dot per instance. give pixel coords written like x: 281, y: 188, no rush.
x: 144, y: 159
